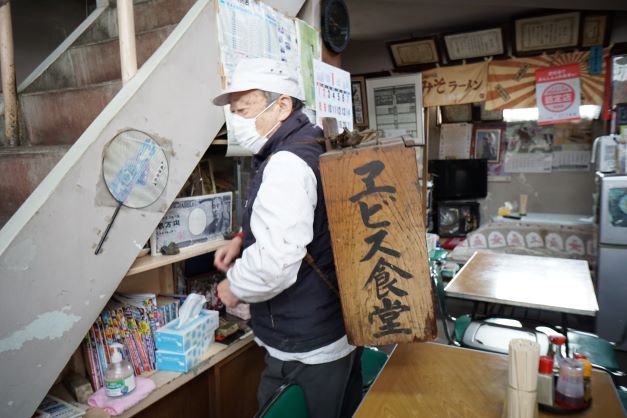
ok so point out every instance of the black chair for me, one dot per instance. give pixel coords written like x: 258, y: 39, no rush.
x: 491, y: 334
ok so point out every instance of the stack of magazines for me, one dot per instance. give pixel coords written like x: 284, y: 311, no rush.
x: 131, y: 320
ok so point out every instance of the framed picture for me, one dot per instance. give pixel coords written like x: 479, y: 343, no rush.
x: 395, y: 106
x: 595, y: 30
x: 487, y: 143
x: 489, y: 115
x: 475, y: 44
x: 547, y: 32
x: 457, y: 113
x: 414, y: 52
x: 360, y: 106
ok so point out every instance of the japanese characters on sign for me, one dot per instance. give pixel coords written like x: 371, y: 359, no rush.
x: 455, y: 85
x: 558, y: 94
x: 386, y: 277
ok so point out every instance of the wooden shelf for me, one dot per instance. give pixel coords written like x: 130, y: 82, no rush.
x: 168, y: 382
x: 149, y: 262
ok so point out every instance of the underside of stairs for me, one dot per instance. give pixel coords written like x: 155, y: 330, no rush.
x: 59, y: 101
x: 53, y: 285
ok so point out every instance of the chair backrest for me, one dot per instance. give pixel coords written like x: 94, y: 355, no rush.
x: 288, y: 402
x: 372, y: 361
x: 435, y: 267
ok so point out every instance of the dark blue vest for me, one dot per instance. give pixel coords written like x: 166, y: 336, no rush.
x: 307, y: 315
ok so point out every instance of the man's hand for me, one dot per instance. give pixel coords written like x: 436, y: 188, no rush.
x: 225, y: 295
x: 225, y: 256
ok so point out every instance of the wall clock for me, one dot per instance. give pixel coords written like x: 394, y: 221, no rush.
x: 335, y: 25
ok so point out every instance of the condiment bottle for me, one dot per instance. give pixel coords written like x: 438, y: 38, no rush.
x: 545, y: 381
x: 587, y: 375
x: 569, y: 390
x: 557, y: 341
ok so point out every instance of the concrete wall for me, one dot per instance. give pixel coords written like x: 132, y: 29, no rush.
x: 39, y: 27
x: 53, y: 286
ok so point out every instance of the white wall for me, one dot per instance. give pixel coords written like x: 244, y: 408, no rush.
x: 39, y: 27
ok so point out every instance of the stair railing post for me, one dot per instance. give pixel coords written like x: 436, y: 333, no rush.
x: 7, y: 67
x: 126, y: 31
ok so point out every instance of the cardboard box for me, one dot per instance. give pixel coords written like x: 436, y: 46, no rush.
x: 196, y: 333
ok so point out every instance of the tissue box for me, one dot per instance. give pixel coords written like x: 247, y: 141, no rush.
x: 180, y: 362
x: 196, y: 333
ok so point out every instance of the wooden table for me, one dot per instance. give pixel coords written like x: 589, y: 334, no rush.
x: 546, y: 283
x: 433, y: 380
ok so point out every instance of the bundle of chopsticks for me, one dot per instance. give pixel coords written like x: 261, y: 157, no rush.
x: 522, y: 379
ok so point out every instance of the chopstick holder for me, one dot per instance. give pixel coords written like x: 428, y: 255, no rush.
x: 522, y: 380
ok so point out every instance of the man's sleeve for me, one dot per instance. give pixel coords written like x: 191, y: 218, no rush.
x: 282, y: 223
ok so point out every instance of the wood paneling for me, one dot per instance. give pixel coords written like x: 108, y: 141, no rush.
x: 233, y: 384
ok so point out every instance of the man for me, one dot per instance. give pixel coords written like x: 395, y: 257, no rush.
x: 295, y: 313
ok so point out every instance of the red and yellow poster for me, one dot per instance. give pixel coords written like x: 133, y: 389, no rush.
x: 512, y: 82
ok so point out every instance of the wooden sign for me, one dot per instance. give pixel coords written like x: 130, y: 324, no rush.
x: 378, y: 235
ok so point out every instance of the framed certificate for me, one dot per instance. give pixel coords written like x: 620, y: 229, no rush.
x: 360, y: 106
x: 414, y: 52
x: 475, y: 44
x: 547, y: 32
x: 395, y: 106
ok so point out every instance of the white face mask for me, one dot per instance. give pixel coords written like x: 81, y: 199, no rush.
x: 245, y: 131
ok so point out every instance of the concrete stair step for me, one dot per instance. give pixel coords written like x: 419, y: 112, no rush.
x: 59, y: 117
x: 23, y: 169
x: 96, y: 62
x: 149, y: 15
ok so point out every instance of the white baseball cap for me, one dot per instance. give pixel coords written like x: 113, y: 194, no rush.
x: 262, y: 74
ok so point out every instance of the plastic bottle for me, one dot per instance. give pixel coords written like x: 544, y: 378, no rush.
x: 587, y: 375
x: 569, y: 390
x: 545, y: 381
x: 119, y: 376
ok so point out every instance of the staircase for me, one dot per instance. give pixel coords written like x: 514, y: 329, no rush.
x: 52, y: 286
x: 65, y: 94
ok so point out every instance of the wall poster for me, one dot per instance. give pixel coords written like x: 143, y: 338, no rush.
x: 333, y: 95
x: 529, y: 148
x: 558, y: 94
x: 395, y: 106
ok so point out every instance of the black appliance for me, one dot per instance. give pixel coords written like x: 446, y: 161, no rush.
x: 459, y: 179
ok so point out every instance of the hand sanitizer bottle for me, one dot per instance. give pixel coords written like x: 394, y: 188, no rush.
x: 119, y: 376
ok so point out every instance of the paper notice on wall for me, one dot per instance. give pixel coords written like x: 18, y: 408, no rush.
x: 570, y: 158
x: 558, y: 94
x: 455, y: 140
x: 333, y: 95
x: 254, y: 30
x: 309, y: 50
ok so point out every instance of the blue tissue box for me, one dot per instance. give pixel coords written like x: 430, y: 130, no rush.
x: 181, y: 362
x: 195, y: 333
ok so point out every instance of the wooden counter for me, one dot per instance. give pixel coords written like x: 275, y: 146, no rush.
x: 433, y: 380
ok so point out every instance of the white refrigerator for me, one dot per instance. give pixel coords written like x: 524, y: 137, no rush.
x: 612, y: 258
